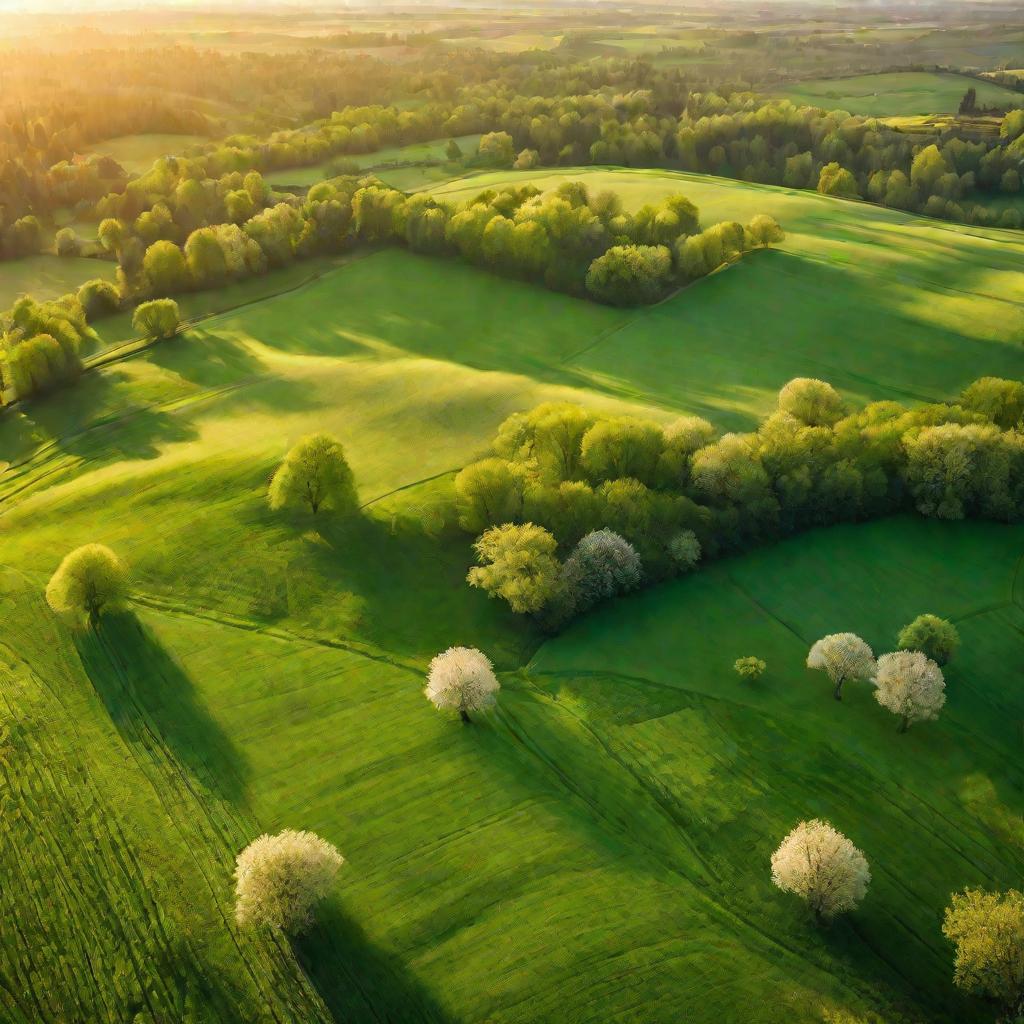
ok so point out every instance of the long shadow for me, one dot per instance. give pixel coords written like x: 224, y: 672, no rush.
x: 358, y: 981
x: 206, y: 358
x: 143, y: 687
x: 395, y: 572
x: 120, y: 431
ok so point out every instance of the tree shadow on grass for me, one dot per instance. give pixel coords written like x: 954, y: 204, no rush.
x: 215, y: 361
x: 207, y: 358
x: 115, y: 429
x: 359, y: 981
x: 408, y: 578
x: 145, y: 690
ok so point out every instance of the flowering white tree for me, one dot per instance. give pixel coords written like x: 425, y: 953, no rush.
x: 822, y: 867
x: 911, y: 685
x: 842, y: 656
x: 278, y: 879
x: 462, y: 679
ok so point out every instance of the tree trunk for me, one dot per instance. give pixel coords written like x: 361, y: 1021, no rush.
x: 904, y: 724
x: 464, y: 715
x: 838, y: 691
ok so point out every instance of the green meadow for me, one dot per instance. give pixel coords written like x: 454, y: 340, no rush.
x: 598, y: 849
x: 47, y: 276
x: 900, y: 93
x: 393, y: 155
x: 136, y: 153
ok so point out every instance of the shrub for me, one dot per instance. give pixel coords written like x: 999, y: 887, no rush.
x: 822, y: 867
x: 685, y: 550
x: 462, y: 679
x: 157, y: 318
x: 315, y: 473
x: 750, y: 668
x: 91, y: 580
x: 936, y: 638
x: 279, y: 879
x: 602, y: 565
x: 910, y: 685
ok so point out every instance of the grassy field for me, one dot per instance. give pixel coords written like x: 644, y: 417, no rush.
x: 898, y: 93
x: 47, y: 276
x: 136, y: 153
x: 411, y: 154
x: 598, y: 851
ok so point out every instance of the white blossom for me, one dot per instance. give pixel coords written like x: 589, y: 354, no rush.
x: 278, y: 879
x: 911, y: 685
x: 822, y: 867
x: 462, y: 679
x: 842, y: 656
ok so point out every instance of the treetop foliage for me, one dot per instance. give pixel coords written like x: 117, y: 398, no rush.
x: 678, y: 494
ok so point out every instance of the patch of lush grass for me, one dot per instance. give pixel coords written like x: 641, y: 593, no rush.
x: 898, y: 93
x: 48, y: 277
x: 883, y: 304
x: 136, y: 153
x: 411, y: 154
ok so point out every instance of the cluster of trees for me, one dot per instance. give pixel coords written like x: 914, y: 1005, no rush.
x: 567, y: 238
x: 40, y: 344
x: 560, y: 472
x: 908, y: 682
x: 819, y: 865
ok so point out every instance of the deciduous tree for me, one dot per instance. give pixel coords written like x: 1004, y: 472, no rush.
x: 280, y: 879
x: 822, y: 867
x: 936, y: 638
x: 462, y: 679
x: 315, y: 473
x: 911, y: 685
x: 988, y: 931
x: 842, y: 656
x: 91, y: 580
x: 517, y: 563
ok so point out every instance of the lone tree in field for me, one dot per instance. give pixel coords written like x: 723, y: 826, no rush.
x: 315, y: 473
x: 988, y: 930
x: 91, y: 580
x: 910, y: 685
x: 822, y: 867
x: 462, y: 679
x: 843, y: 656
x: 279, y: 879
x: 936, y: 638
x: 158, y: 318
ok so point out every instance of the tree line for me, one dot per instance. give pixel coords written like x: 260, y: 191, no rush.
x: 554, y: 113
x: 567, y: 239
x: 576, y: 506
